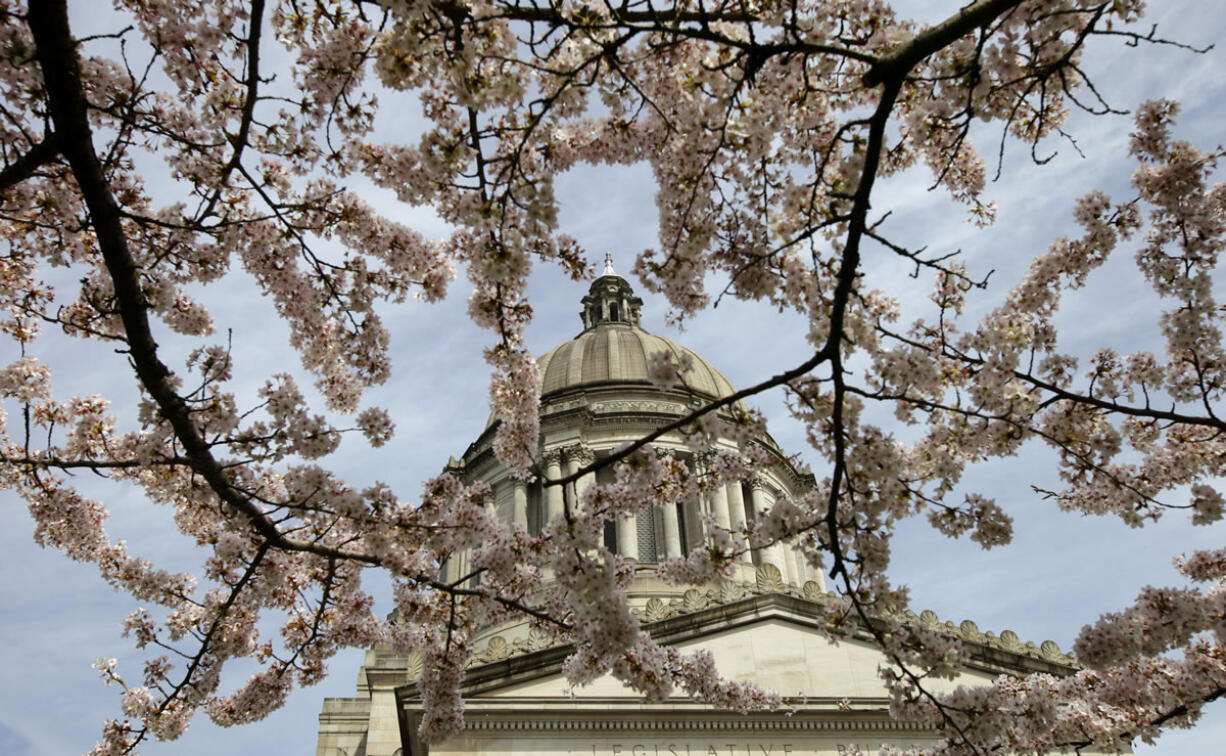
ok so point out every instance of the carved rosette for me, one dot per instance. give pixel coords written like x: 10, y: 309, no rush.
x: 693, y: 600
x: 727, y: 591
x: 769, y: 579
x: 412, y: 667
x: 654, y: 611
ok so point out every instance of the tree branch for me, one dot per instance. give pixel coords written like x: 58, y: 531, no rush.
x: 24, y: 166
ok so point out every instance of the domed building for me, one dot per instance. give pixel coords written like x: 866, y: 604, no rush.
x: 596, y: 397
x: 763, y: 625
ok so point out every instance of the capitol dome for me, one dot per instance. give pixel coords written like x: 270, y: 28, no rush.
x: 614, y: 349
x: 596, y: 397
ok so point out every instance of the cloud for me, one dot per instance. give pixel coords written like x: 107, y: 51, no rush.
x: 13, y: 743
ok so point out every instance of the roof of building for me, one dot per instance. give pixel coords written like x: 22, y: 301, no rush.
x: 614, y: 348
x: 618, y: 353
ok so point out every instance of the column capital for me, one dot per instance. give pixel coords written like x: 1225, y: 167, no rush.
x: 580, y: 455
x: 698, y: 462
x: 552, y: 456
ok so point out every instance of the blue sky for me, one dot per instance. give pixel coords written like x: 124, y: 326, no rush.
x: 1061, y: 572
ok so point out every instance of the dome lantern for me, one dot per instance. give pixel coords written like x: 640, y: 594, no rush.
x: 611, y: 299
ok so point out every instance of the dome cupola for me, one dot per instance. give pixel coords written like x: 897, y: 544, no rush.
x: 610, y: 300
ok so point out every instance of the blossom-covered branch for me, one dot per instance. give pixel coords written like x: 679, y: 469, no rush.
x: 769, y: 128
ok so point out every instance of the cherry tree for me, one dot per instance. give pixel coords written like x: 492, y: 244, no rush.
x: 767, y: 126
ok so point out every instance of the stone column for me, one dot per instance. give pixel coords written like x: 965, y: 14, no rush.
x: 763, y: 499
x: 579, y: 457
x: 719, y: 507
x: 736, y: 512
x: 519, y: 505
x: 670, y: 527
x: 695, y: 531
x: 789, y: 563
x: 802, y: 567
x: 553, y: 494
x: 672, y: 531
x: 628, y: 537
x: 457, y: 566
x: 716, y: 498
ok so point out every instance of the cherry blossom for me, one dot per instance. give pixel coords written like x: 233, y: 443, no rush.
x: 199, y: 144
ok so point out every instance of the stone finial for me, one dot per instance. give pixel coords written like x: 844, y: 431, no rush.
x: 608, y: 265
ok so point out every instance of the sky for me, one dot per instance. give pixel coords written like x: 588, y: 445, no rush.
x: 1061, y: 572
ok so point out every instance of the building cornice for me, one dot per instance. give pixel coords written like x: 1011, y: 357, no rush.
x: 695, y: 613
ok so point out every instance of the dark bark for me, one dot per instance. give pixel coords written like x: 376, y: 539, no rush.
x: 25, y: 166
